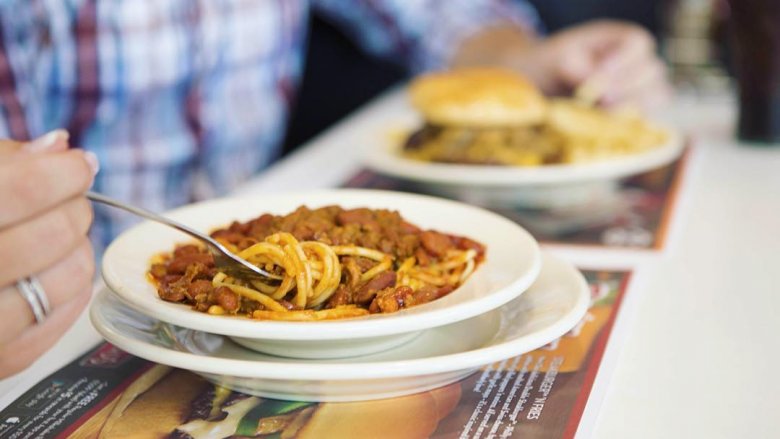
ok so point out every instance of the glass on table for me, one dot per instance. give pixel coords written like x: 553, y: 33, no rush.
x: 755, y: 36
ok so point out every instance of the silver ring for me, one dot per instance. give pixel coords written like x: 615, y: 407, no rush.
x: 32, y: 291
x: 40, y: 293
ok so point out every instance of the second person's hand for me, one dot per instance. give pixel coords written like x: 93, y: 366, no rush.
x: 613, y: 63
x: 610, y: 63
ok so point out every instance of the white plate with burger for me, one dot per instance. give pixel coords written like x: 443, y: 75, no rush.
x: 488, y: 135
x: 552, y: 306
x: 427, y: 248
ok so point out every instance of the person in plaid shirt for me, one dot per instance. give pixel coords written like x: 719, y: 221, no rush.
x: 180, y: 100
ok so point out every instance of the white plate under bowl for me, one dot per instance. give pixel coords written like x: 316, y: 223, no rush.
x: 511, y: 264
x: 553, y: 305
x: 548, y: 186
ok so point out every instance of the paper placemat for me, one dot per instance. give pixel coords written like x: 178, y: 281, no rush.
x: 542, y: 394
x: 637, y: 217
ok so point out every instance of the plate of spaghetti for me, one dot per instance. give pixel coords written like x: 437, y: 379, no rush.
x: 355, y: 271
x: 554, y: 304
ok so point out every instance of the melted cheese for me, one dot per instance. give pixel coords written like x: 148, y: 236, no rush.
x: 227, y: 427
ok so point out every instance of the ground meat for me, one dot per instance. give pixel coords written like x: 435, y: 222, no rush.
x: 178, y: 290
x: 423, y: 258
x: 407, y: 245
x: 366, y: 293
x: 350, y: 268
x: 184, y: 250
x: 355, y: 216
x: 170, y: 278
x: 259, y: 227
x: 158, y: 271
x: 464, y: 243
x: 226, y: 298
x: 199, y: 287
x: 185, y: 275
x: 392, y: 300
x: 364, y: 263
x: 436, y: 243
x: 178, y: 265
x: 171, y: 293
x: 341, y: 296
x: 239, y: 240
x: 409, y: 227
x: 373, y: 228
x: 428, y: 293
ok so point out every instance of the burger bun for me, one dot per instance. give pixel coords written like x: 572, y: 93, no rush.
x: 478, y: 98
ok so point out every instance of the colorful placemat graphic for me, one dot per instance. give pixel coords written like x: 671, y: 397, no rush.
x: 108, y: 393
x: 541, y: 394
x: 637, y: 215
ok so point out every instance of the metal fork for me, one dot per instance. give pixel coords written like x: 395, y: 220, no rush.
x: 224, y: 259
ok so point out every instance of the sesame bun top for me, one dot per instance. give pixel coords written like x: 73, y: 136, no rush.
x: 477, y: 97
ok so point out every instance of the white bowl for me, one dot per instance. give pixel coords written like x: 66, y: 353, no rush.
x: 547, y: 186
x: 511, y: 264
x: 554, y: 304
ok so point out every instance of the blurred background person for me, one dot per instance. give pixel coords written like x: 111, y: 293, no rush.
x: 339, y: 76
x: 185, y: 100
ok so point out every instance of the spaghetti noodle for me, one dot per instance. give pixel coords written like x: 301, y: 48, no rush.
x: 332, y: 263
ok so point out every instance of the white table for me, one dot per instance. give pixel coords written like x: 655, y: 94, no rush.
x: 702, y: 341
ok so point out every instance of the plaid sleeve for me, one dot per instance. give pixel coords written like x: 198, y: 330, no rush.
x: 422, y: 34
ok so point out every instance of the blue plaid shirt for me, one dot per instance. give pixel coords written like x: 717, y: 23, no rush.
x: 185, y: 99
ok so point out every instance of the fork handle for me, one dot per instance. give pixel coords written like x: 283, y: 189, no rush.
x: 148, y: 214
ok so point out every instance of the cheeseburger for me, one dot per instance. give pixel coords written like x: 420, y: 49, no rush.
x: 493, y: 116
x: 176, y: 404
x: 477, y: 115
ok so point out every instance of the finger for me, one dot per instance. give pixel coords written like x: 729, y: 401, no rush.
x: 575, y: 69
x: 23, y: 351
x: 52, y: 141
x: 10, y: 146
x: 32, y: 183
x: 62, y: 282
x: 37, y: 244
x: 594, y: 53
x: 624, y: 48
x: 642, y: 78
x: 654, y: 99
x: 631, y: 65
